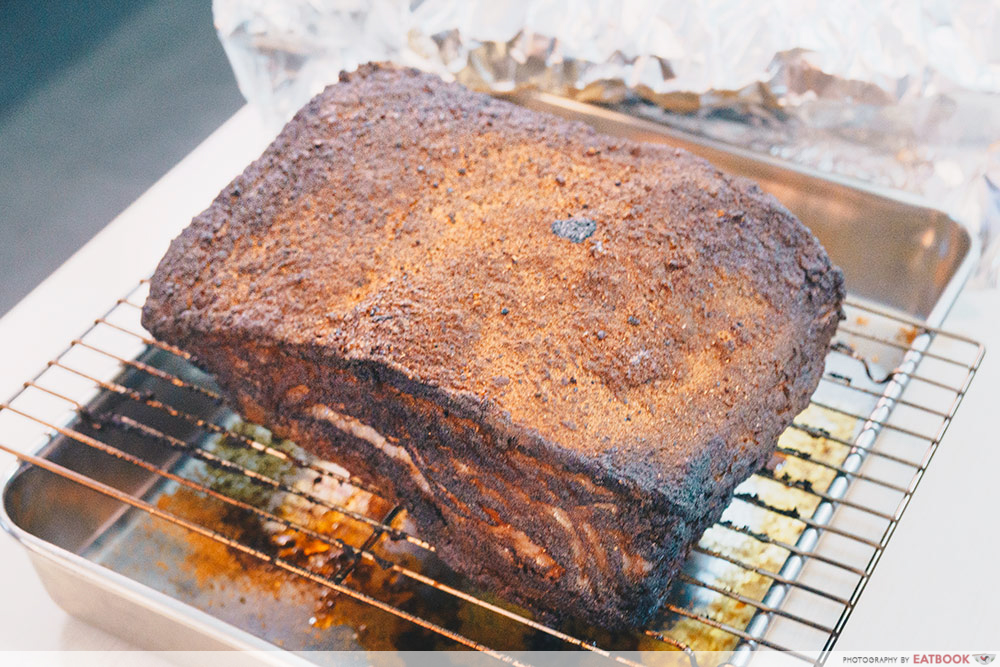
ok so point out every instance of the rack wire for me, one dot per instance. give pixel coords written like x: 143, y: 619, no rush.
x: 782, y: 570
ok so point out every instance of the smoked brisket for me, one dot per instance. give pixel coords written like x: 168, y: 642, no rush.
x: 561, y: 351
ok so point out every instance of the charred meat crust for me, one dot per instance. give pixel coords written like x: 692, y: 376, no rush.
x: 562, y: 351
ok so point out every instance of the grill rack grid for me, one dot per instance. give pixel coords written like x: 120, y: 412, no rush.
x: 894, y: 382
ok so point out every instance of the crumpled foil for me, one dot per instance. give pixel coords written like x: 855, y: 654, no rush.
x: 897, y: 93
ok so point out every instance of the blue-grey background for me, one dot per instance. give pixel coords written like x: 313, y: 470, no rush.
x: 98, y: 99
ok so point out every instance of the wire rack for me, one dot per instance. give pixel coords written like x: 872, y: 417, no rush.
x: 782, y: 570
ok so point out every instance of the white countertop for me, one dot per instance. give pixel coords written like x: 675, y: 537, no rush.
x: 935, y: 588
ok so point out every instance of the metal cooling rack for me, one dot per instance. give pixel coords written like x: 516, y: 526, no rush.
x: 782, y: 570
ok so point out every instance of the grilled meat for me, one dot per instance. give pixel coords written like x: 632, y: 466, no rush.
x: 559, y: 350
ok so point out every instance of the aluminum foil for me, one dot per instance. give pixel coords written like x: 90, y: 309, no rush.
x: 901, y: 94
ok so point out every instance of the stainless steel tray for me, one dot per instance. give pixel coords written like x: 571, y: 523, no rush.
x: 116, y: 565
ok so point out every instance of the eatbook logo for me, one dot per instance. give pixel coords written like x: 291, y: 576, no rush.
x: 984, y: 658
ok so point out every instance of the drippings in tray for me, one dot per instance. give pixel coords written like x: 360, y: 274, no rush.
x: 210, y: 562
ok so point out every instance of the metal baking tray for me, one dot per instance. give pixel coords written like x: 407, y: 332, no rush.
x: 100, y: 532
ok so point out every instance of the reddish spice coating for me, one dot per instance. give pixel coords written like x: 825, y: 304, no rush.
x: 476, y: 281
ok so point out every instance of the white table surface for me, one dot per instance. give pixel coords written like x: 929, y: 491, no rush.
x: 935, y: 588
